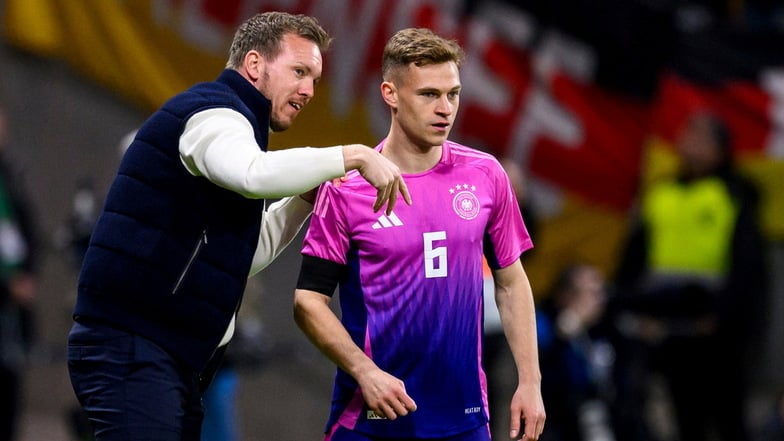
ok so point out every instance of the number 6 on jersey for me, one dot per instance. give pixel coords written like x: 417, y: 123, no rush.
x: 435, y: 256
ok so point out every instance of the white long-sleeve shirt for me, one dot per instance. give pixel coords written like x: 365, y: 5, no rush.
x: 219, y: 144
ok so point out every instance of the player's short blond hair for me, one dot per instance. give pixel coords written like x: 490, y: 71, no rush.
x: 419, y: 46
x: 264, y: 32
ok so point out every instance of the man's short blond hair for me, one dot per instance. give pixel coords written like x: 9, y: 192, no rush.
x: 420, y: 46
x: 264, y: 33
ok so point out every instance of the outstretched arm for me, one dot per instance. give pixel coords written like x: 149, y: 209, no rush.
x: 516, y: 307
x: 384, y: 394
x: 219, y: 145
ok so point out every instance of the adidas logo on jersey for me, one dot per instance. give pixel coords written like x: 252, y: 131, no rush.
x: 385, y: 221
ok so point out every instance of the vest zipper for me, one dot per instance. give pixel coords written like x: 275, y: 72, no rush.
x: 202, y: 241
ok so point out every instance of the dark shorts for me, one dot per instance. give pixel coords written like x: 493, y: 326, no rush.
x: 130, y: 388
x: 340, y: 433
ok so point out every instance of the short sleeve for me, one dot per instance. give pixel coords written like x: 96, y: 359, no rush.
x: 327, y: 236
x: 507, y: 237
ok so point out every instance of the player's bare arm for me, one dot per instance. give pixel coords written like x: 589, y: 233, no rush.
x: 516, y: 307
x: 384, y: 394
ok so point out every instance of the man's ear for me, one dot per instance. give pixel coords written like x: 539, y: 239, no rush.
x: 251, y: 65
x: 389, y: 93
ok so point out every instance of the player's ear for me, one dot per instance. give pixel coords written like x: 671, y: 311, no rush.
x: 389, y: 93
x: 251, y: 65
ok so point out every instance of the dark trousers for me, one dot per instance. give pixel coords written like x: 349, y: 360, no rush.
x: 130, y: 388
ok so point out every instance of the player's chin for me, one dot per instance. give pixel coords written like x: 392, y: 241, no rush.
x: 279, y: 124
x: 437, y: 139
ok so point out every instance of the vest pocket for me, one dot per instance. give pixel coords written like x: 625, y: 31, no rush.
x: 196, y: 249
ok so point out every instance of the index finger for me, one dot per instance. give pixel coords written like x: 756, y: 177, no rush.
x: 404, y: 404
x: 404, y: 191
x: 381, y: 196
x: 392, y: 199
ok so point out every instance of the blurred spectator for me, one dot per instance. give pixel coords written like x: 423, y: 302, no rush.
x: 248, y: 350
x: 498, y: 362
x: 576, y: 359
x: 74, y: 236
x: 17, y: 289
x: 519, y: 181
x: 689, y: 280
x: 220, y: 413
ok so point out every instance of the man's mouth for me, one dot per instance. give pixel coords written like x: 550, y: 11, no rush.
x: 296, y: 106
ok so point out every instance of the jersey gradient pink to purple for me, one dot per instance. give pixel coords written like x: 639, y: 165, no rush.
x: 413, y: 296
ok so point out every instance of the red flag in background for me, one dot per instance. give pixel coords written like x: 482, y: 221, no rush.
x: 603, y: 166
x: 742, y: 104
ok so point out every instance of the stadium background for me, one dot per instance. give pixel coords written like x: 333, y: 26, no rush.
x: 586, y: 96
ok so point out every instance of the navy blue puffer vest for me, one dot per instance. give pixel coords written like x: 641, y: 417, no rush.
x: 170, y: 254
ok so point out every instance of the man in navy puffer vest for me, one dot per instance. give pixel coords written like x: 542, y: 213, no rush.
x: 182, y: 230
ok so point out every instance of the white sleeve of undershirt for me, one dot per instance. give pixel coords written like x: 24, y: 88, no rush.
x: 281, y: 223
x: 219, y: 145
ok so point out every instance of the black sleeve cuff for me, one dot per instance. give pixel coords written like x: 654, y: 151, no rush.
x: 320, y: 275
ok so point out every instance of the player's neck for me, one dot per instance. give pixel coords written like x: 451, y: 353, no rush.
x: 411, y: 158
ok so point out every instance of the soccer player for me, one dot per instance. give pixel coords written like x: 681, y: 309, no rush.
x: 409, y: 343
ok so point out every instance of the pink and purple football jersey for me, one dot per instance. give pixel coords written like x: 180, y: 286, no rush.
x: 413, y: 296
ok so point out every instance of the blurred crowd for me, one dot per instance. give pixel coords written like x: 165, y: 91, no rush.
x: 18, y: 269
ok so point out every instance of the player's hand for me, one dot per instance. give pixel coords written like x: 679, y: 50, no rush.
x: 527, y: 413
x: 385, y: 394
x: 380, y: 172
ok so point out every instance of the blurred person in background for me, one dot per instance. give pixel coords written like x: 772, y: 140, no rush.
x: 73, y: 237
x: 17, y: 288
x: 248, y: 350
x: 522, y: 191
x: 690, y: 279
x: 576, y: 358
